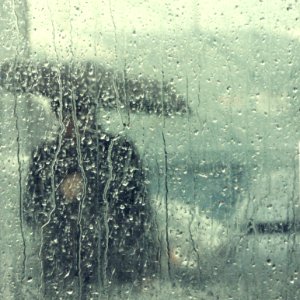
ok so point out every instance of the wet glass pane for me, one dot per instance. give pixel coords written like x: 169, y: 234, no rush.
x: 149, y: 149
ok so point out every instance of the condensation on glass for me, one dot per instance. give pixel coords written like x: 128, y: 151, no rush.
x: 149, y: 150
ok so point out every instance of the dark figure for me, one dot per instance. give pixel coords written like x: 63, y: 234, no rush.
x: 86, y: 190
x: 90, y: 199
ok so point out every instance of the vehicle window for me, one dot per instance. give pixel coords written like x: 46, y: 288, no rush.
x: 149, y: 149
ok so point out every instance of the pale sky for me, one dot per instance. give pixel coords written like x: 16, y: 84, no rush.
x: 82, y: 22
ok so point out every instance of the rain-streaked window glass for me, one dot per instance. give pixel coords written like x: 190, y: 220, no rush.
x: 149, y: 149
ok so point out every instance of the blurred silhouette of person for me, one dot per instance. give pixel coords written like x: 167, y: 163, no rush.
x: 86, y: 190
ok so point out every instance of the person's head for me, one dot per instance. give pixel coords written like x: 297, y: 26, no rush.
x: 75, y: 112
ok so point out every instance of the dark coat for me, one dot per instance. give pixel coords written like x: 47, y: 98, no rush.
x: 105, y: 233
